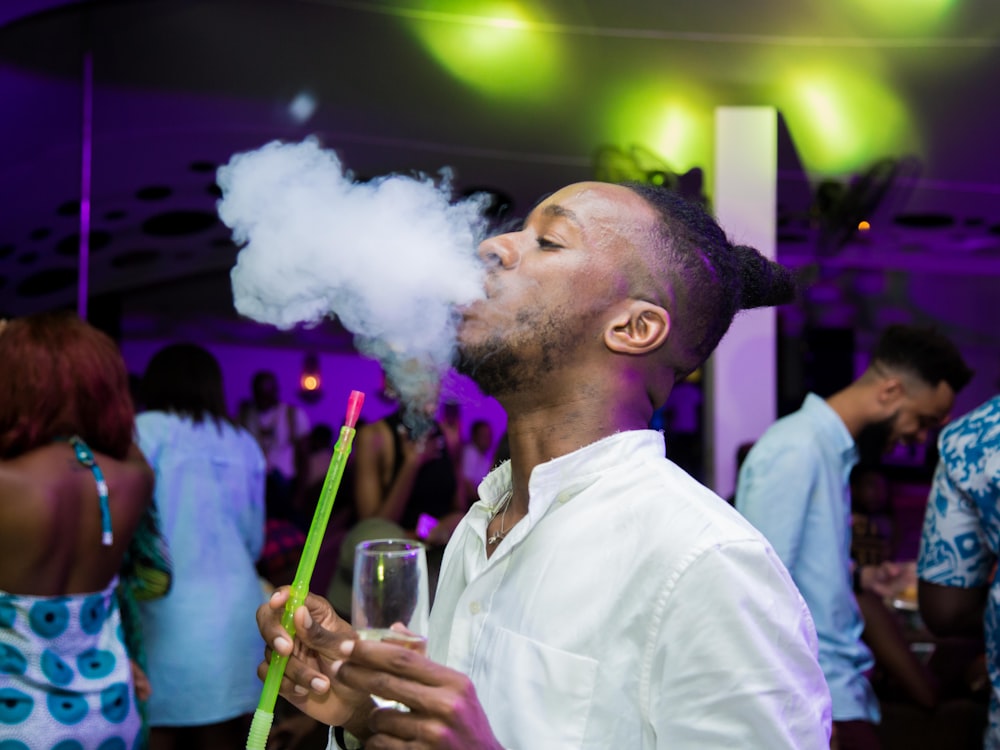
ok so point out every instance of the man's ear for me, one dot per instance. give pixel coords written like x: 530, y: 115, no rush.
x: 639, y: 327
x: 890, y: 391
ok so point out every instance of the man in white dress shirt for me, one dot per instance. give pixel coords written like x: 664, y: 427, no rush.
x: 596, y: 596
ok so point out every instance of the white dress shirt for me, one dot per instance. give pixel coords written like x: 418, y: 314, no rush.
x: 631, y: 608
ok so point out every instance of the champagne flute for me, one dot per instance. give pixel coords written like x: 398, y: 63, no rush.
x: 390, y: 589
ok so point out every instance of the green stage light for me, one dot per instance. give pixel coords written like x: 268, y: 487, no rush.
x: 905, y: 16
x: 499, y: 49
x: 675, y: 125
x: 842, y: 120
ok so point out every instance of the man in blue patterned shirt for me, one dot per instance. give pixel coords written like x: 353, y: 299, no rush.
x: 958, y: 593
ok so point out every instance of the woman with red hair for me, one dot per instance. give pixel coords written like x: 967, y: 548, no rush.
x: 73, y: 490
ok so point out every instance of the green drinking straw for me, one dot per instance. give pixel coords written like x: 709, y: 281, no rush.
x: 264, y: 714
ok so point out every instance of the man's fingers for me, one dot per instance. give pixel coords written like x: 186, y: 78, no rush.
x: 406, y: 729
x: 405, y: 725
x: 318, y: 636
x: 269, y: 622
x: 292, y: 691
x: 396, y: 658
x: 296, y: 673
x: 398, y: 674
x: 365, y: 680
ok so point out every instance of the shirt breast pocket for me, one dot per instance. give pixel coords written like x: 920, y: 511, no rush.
x: 537, y: 696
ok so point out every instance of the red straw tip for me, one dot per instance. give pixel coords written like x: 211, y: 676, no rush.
x: 354, y: 403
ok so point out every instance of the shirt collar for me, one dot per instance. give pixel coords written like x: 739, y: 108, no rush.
x: 562, y: 478
x: 831, y: 427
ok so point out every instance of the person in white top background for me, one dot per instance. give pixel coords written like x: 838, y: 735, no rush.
x: 596, y: 596
x: 282, y: 431
x: 477, y: 456
x: 209, y: 493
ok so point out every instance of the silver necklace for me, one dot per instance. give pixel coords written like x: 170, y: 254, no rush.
x: 498, y: 536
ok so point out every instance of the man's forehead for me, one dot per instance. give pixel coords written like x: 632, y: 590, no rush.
x: 584, y: 202
x: 559, y: 211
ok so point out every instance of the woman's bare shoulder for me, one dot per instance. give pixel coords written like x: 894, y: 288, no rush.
x: 52, y: 469
x: 35, y: 467
x: 28, y: 482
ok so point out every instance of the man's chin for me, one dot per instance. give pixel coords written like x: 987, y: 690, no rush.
x: 489, y: 369
x: 466, y: 361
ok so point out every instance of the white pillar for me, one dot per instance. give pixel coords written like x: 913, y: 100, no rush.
x: 740, y: 385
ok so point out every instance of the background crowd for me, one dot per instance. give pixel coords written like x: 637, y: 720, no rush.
x: 217, y: 506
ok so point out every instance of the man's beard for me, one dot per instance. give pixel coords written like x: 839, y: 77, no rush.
x: 873, y: 441
x: 491, y: 365
x: 505, y: 364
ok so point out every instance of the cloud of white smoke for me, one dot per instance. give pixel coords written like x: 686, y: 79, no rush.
x: 391, y: 257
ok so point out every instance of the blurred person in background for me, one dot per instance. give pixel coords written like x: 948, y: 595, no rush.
x: 317, y: 463
x: 282, y: 431
x: 794, y: 487
x: 209, y: 493
x: 73, y: 491
x: 958, y: 589
x: 872, y: 525
x: 410, y: 479
x: 451, y: 426
x: 477, y: 457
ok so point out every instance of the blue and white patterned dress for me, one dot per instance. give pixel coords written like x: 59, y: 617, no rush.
x: 65, y: 678
x: 961, y: 536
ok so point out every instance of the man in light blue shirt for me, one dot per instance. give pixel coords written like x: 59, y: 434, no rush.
x: 794, y: 487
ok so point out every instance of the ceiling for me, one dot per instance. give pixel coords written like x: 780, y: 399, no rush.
x: 515, y: 100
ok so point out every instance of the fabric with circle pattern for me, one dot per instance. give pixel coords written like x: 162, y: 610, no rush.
x: 65, y: 677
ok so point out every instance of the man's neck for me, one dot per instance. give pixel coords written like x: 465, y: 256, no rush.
x: 541, y: 434
x: 849, y: 405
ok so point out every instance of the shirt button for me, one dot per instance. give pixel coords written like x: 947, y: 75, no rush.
x: 474, y: 608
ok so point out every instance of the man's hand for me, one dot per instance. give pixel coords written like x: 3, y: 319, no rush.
x: 444, y: 710
x: 889, y: 578
x: 306, y: 683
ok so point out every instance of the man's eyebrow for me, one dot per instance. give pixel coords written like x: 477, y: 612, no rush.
x: 556, y: 210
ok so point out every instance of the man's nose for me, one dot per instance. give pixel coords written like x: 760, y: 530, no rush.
x: 500, y: 251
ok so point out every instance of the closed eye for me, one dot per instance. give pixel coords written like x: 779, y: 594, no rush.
x: 547, y: 244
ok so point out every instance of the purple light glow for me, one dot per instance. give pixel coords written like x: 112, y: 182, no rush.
x: 86, y: 157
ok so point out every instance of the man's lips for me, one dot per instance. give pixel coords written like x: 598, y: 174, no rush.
x: 469, y: 310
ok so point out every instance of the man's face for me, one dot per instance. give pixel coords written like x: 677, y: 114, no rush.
x: 550, y: 285
x: 919, y: 409
x: 922, y: 408
x: 265, y: 392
